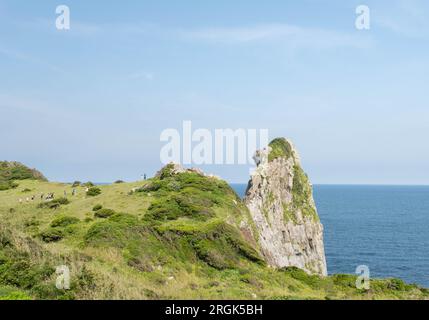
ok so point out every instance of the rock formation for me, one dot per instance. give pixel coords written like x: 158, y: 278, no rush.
x: 279, y: 198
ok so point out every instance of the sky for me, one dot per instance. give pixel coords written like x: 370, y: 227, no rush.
x: 90, y: 103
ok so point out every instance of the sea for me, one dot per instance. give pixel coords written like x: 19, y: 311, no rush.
x: 385, y: 228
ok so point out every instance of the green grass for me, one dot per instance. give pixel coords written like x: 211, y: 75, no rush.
x: 302, y: 194
x: 176, y: 237
x: 280, y: 148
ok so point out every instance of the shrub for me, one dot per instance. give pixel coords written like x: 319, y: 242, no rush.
x: 314, y: 281
x: 88, y: 184
x: 97, y: 207
x: 56, y: 203
x: 104, y: 213
x: 26, y: 190
x: 33, y: 222
x: 116, y: 231
x: 176, y: 206
x: 397, y: 285
x: 62, y: 201
x: 280, y: 148
x: 119, y: 181
x: 6, y: 185
x: 344, y: 280
x: 76, y: 184
x: 64, y: 221
x: 52, y: 235
x: 93, y: 191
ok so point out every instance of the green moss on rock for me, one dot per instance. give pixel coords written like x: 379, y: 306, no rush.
x: 280, y: 148
x: 302, y: 194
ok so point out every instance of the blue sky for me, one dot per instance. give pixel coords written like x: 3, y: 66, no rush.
x: 90, y: 103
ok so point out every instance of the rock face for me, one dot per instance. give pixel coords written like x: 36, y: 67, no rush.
x: 279, y: 198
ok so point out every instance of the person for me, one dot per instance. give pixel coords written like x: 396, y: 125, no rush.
x: 41, y: 196
x: 32, y: 198
x: 20, y: 200
x: 144, y: 176
x: 65, y: 193
x: 74, y: 192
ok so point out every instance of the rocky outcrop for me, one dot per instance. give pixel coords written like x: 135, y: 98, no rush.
x: 279, y: 198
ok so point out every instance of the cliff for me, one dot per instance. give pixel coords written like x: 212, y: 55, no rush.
x: 279, y: 198
x: 179, y: 235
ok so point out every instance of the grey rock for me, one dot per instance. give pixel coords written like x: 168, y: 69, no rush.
x: 279, y: 198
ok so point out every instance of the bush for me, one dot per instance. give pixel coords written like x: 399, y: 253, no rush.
x: 52, y: 235
x: 64, y: 221
x: 176, y: 206
x: 314, y: 281
x: 119, y: 181
x: 54, y: 204
x: 26, y: 190
x: 62, y: 201
x: 397, y: 285
x: 97, y: 207
x: 104, y: 213
x: 76, y: 184
x: 88, y: 184
x: 6, y: 185
x: 93, y: 191
x: 117, y: 231
x: 280, y: 148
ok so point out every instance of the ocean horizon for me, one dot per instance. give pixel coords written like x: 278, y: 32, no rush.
x: 384, y: 227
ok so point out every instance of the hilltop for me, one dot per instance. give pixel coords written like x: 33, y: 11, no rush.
x: 11, y: 172
x: 179, y: 235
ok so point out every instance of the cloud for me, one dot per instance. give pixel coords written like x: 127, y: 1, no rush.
x: 277, y: 33
x: 140, y: 75
x: 280, y: 34
x: 406, y: 18
x: 16, y: 55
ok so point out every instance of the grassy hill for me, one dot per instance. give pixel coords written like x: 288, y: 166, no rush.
x: 10, y: 172
x: 176, y: 236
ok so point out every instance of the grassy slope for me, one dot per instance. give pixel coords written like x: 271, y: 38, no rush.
x: 192, y: 254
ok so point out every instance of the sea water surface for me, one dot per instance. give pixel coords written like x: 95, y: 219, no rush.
x: 383, y: 227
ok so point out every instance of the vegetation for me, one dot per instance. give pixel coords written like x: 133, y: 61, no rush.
x: 180, y: 238
x: 104, y: 213
x: 93, y: 191
x: 302, y: 194
x: 64, y: 221
x: 53, y: 204
x: 76, y: 184
x: 280, y: 148
x: 97, y: 207
x: 12, y: 171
